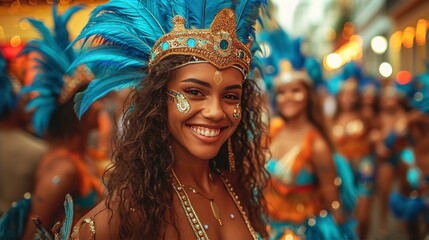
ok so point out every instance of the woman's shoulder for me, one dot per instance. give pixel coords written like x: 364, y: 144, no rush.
x: 99, y: 223
x: 318, y: 143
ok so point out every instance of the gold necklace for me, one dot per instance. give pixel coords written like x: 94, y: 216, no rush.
x: 213, y: 205
x: 191, y: 215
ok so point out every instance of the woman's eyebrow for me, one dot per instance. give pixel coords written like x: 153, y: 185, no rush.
x: 197, y: 81
x: 231, y: 87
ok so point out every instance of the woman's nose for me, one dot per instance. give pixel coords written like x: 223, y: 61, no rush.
x: 213, y: 110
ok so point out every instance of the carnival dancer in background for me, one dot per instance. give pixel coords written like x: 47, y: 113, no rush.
x: 63, y: 169
x: 370, y: 90
x: 410, y: 203
x: 189, y: 141
x: 20, y: 151
x: 392, y: 139
x: 303, y: 196
x: 351, y: 136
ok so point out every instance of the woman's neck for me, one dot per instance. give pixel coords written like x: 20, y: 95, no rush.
x: 75, y: 144
x: 297, y: 122
x: 192, y: 171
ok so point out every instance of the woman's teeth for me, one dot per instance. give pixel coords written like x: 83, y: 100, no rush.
x: 206, y: 132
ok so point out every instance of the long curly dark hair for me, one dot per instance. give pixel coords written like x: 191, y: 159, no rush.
x: 138, y: 177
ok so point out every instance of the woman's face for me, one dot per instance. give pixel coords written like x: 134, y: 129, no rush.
x: 348, y: 99
x: 369, y: 96
x: 212, y: 95
x: 391, y: 106
x: 292, y: 99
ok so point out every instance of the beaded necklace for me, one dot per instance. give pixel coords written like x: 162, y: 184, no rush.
x: 191, y: 215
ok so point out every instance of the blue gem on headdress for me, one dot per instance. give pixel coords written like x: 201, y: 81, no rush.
x: 192, y: 42
x: 241, y: 54
x: 164, y: 46
x: 152, y: 56
x: 223, y: 44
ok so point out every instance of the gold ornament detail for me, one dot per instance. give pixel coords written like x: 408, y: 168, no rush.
x: 218, y: 77
x: 218, y: 45
x: 231, y: 157
x: 237, y: 111
x: 191, y: 215
x: 182, y: 103
x: 72, y: 84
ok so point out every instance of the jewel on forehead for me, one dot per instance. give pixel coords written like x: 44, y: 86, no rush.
x: 218, y: 77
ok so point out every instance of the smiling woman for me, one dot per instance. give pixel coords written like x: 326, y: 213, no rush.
x: 209, y: 122
x: 189, y: 139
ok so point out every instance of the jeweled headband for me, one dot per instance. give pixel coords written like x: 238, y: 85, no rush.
x: 132, y: 36
x: 218, y: 44
x: 288, y: 75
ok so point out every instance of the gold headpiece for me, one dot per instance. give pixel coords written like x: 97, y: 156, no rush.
x: 288, y: 74
x: 72, y: 84
x: 218, y: 45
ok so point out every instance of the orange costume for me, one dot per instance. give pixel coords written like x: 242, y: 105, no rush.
x: 293, y: 200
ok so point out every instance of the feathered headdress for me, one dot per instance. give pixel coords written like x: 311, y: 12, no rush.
x: 52, y: 85
x: 350, y: 77
x: 370, y: 84
x: 284, y: 61
x: 135, y: 34
x: 7, y: 95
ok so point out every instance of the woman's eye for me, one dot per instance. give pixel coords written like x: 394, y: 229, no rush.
x: 194, y: 92
x: 231, y: 97
x: 294, y: 90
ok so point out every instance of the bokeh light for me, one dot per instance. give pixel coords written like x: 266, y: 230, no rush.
x: 403, y: 77
x: 15, y: 41
x: 379, y: 44
x: 333, y: 61
x: 385, y: 69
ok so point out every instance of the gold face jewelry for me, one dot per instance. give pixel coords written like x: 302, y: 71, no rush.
x: 218, y: 77
x: 182, y: 103
x: 237, y: 111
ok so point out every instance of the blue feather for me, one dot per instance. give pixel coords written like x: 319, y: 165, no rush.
x: 297, y: 59
x: 45, y: 33
x: 202, y: 13
x: 315, y: 71
x: 68, y: 221
x: 113, y: 56
x: 51, y: 65
x: 245, y: 14
x: 100, y: 87
x: 7, y: 96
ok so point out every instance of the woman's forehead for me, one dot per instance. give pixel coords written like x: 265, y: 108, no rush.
x: 209, y: 74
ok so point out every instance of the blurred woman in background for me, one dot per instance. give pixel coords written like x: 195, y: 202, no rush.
x: 350, y: 132
x: 303, y: 196
x: 64, y: 168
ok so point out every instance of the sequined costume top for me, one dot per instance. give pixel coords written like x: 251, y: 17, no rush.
x: 351, y: 140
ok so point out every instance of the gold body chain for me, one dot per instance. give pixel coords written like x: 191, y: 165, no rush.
x: 191, y: 215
